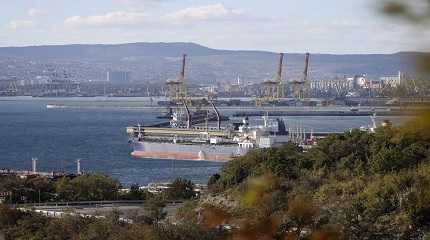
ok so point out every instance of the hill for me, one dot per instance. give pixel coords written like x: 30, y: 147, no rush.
x: 155, y: 61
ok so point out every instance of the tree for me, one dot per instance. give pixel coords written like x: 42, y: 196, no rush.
x: 302, y: 212
x: 180, y: 189
x: 154, y: 209
x: 92, y: 187
x: 136, y: 193
x: 9, y: 217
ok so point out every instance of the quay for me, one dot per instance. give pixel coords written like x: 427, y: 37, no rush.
x: 34, y: 172
x: 24, y: 173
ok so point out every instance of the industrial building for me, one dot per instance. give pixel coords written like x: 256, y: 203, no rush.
x: 118, y: 77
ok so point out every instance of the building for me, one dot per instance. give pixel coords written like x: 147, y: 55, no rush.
x: 393, y: 81
x: 118, y: 77
x: 361, y: 81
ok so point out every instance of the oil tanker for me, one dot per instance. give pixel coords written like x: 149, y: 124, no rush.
x: 184, y: 141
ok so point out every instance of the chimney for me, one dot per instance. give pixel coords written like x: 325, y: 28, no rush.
x: 34, y: 165
x: 78, y: 167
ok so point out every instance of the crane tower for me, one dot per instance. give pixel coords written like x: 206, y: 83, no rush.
x: 176, y: 89
x: 300, y: 88
x: 273, y: 88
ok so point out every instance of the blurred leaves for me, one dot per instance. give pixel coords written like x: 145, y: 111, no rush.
x: 214, y: 216
x: 327, y: 232
x: 302, y: 210
x: 256, y: 189
x: 417, y: 12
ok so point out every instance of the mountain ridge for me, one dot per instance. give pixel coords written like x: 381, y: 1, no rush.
x: 189, y: 47
x: 150, y: 61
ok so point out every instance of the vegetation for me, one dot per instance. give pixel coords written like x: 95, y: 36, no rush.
x: 17, y: 225
x: 33, y: 189
x: 180, y: 189
x: 353, y: 186
x: 87, y: 188
x: 90, y: 187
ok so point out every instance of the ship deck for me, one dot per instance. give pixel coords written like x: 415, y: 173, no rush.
x: 179, y: 132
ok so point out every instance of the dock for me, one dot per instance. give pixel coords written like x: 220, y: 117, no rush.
x: 24, y: 173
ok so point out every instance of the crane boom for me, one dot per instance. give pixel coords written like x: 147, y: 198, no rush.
x: 281, y: 60
x: 182, y: 74
x: 306, y: 70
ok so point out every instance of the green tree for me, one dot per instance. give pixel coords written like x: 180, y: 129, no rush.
x: 180, y: 189
x: 92, y: 187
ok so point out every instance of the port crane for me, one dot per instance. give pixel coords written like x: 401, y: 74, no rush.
x: 12, y: 88
x: 176, y: 89
x: 301, y: 87
x: 273, y: 89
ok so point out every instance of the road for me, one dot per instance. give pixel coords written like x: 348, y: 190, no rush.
x: 95, y: 208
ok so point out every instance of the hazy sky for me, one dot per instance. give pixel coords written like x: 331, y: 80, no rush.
x: 329, y: 26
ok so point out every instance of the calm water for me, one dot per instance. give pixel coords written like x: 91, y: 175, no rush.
x: 57, y: 137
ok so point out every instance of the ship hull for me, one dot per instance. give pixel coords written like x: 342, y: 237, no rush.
x: 192, y: 152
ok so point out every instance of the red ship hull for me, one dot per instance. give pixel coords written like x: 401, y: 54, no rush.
x: 184, y: 156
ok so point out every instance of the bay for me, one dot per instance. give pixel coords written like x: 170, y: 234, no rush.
x: 97, y: 136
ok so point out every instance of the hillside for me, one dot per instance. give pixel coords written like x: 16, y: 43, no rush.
x: 155, y: 61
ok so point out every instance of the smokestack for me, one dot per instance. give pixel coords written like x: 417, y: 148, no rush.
x: 78, y: 167
x: 183, y: 66
x: 281, y: 59
x: 34, y: 165
x: 306, y: 71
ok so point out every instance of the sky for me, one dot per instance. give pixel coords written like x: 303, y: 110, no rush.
x: 317, y: 26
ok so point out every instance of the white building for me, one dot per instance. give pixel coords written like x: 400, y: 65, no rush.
x: 393, y: 81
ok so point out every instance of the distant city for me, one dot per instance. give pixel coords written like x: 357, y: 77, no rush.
x: 44, y: 72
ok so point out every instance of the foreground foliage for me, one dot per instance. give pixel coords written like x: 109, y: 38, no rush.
x: 352, y: 186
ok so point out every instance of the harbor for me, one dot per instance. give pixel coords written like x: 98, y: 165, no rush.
x: 182, y: 138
